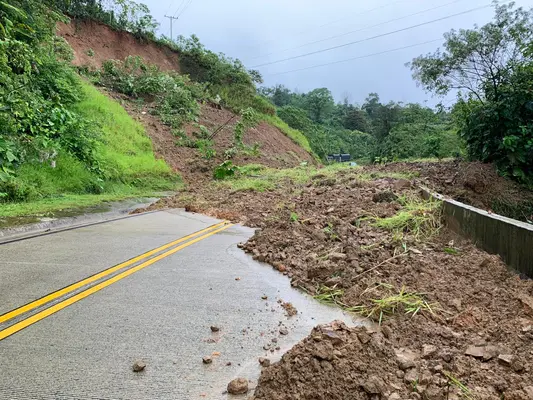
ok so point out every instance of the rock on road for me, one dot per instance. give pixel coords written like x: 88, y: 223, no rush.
x: 160, y: 315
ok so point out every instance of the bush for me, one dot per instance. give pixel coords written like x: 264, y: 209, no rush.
x: 175, y: 97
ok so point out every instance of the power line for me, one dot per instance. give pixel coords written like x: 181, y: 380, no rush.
x: 337, y: 20
x: 356, y: 58
x: 185, y: 8
x: 179, y: 7
x: 374, y: 37
x: 359, y: 30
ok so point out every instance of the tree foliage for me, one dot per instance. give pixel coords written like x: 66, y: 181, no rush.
x: 491, y: 66
x: 374, y: 131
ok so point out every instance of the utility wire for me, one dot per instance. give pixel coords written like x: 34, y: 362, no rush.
x: 179, y: 7
x: 185, y: 8
x: 374, y: 37
x: 358, y: 30
x: 337, y: 20
x: 169, y: 6
x: 356, y: 58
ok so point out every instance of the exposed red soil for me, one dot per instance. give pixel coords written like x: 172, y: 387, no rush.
x: 275, y: 149
x: 473, y: 183
x: 478, y: 305
x: 108, y: 44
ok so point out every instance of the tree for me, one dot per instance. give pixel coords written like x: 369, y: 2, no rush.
x: 492, y: 66
x: 319, y: 103
x: 480, y: 59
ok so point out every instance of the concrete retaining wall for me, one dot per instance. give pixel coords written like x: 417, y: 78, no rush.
x: 509, y: 238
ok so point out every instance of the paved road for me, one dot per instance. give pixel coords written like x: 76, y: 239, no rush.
x: 158, y: 309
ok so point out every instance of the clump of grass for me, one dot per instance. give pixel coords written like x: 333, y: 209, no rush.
x: 418, y: 217
x: 406, y: 302
x: 327, y: 295
x: 453, y: 381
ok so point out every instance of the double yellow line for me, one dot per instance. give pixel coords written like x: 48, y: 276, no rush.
x: 189, y: 239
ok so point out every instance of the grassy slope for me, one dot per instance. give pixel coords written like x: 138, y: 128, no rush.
x: 125, y: 154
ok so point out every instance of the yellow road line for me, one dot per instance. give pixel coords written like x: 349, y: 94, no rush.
x: 65, y: 303
x: 59, y: 293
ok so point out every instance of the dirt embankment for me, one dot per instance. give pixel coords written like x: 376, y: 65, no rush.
x: 275, y: 149
x: 93, y: 43
x: 473, y: 183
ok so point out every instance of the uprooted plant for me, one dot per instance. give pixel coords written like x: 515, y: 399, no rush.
x: 419, y: 218
x: 392, y: 302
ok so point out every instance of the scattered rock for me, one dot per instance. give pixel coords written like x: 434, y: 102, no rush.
x: 337, y: 257
x: 215, y: 329
x: 401, y: 184
x: 490, y: 352
x: 138, y: 366
x: 411, y: 376
x: 207, y: 360
x: 238, y: 386
x: 283, y: 331
x: 289, y: 309
x: 475, y: 351
x: 428, y: 351
x: 374, y: 385
x: 387, y: 332
x: 264, y: 297
x: 506, y: 359
x: 265, y: 362
x: 228, y: 363
x: 406, y: 359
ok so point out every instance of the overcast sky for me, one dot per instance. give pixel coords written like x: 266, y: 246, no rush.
x: 264, y: 31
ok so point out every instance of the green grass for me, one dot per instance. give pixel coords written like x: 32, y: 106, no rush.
x: 403, y: 301
x: 126, y: 152
x: 54, y: 204
x: 418, y: 217
x: 296, y: 136
x: 125, y: 155
x: 256, y: 177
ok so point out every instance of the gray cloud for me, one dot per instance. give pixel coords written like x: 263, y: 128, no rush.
x: 259, y: 31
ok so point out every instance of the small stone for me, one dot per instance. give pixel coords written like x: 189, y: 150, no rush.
x: 529, y: 392
x: 138, y: 366
x: 411, y: 376
x: 337, y: 256
x: 517, y: 365
x: 406, y: 359
x: 207, y: 360
x: 215, y: 329
x: 394, y: 396
x: 506, y: 359
x: 428, y: 351
x: 274, y: 340
x: 475, y: 351
x: 364, y: 337
x: 228, y: 363
x: 238, y: 386
x: 400, y: 374
x: 264, y: 297
x: 374, y: 385
x: 490, y: 352
x: 265, y: 362
x: 387, y: 332
x: 283, y: 331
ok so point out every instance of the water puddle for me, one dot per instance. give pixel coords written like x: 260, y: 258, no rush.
x: 13, y: 226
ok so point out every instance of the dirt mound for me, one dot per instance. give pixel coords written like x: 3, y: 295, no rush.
x: 472, y: 332
x: 473, y: 183
x: 93, y: 43
x: 456, y: 323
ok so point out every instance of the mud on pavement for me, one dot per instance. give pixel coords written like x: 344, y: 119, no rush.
x: 451, y: 321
